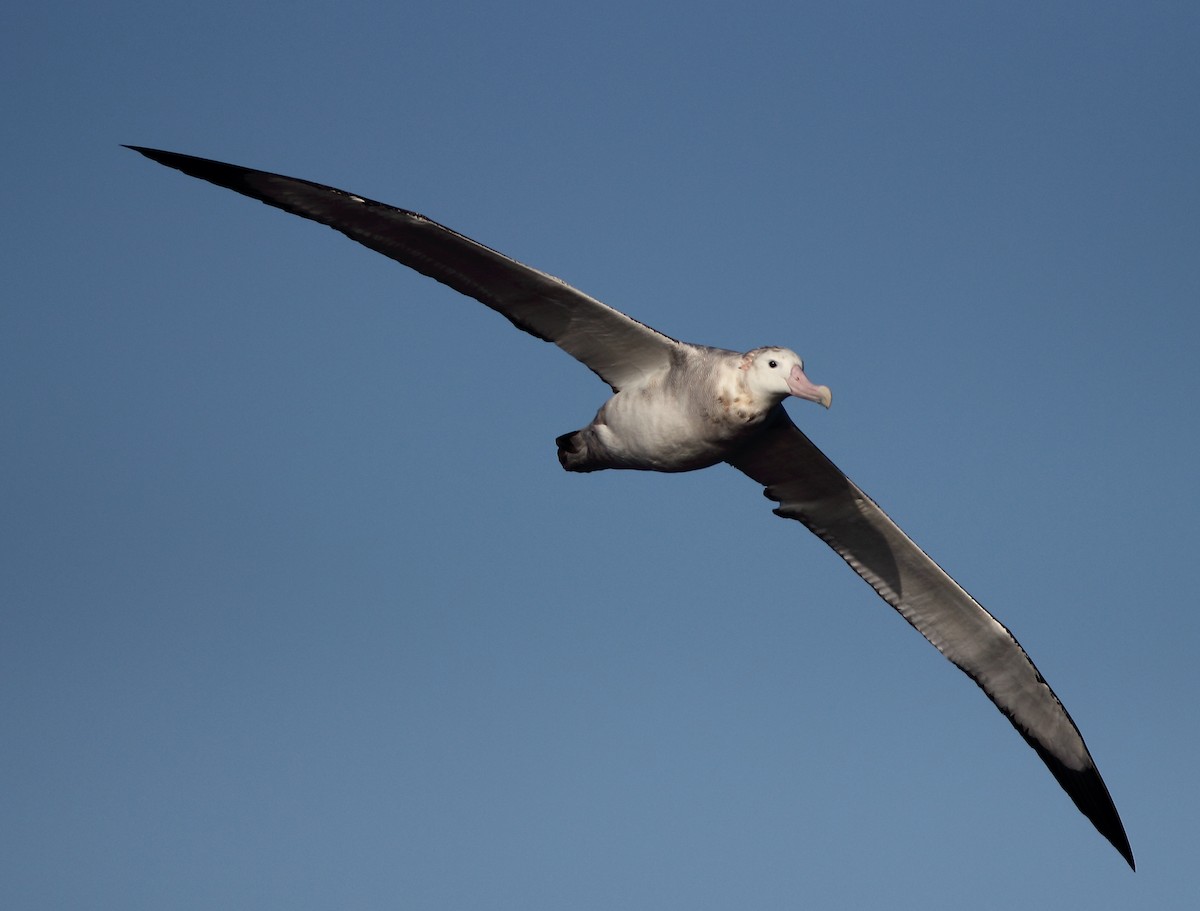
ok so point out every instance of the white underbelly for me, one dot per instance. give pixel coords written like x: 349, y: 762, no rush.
x: 651, y: 432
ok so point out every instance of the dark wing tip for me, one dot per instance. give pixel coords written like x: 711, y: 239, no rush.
x: 232, y: 177
x: 158, y: 155
x: 1087, y: 789
x: 281, y: 192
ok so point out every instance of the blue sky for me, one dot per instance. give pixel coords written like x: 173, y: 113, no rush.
x: 298, y: 609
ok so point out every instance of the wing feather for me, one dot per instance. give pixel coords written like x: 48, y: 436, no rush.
x: 810, y: 489
x: 618, y: 348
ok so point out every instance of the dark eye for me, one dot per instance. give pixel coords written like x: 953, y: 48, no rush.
x: 772, y: 364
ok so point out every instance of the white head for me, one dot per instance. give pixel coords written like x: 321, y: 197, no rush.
x: 778, y: 373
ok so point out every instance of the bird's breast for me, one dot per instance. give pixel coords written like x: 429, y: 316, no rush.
x: 656, y: 430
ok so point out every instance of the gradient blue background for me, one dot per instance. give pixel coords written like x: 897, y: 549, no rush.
x: 298, y: 609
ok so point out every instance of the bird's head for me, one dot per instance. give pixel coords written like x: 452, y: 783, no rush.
x: 778, y: 373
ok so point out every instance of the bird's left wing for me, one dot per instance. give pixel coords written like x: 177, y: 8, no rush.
x: 812, y: 490
x: 617, y: 347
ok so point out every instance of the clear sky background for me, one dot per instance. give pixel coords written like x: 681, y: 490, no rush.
x: 298, y: 610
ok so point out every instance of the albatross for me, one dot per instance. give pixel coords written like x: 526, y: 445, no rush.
x: 680, y: 407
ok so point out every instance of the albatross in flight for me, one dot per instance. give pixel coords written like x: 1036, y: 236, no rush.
x: 678, y: 407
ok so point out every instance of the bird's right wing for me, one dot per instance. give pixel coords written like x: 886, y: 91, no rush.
x: 617, y: 347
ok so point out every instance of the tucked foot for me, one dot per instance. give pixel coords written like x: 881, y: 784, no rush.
x: 573, y: 452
